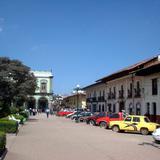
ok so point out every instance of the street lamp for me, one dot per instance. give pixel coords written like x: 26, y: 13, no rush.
x: 76, y: 91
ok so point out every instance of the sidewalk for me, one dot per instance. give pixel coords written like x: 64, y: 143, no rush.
x: 32, y: 141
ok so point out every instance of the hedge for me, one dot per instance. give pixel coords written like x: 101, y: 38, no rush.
x: 2, y: 142
x: 20, y: 117
x: 25, y: 114
x: 8, y: 126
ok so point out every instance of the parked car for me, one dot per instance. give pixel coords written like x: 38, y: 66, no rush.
x: 64, y: 113
x: 92, y: 119
x: 134, y: 123
x: 81, y: 114
x: 104, y: 121
x: 84, y: 117
x: 156, y: 135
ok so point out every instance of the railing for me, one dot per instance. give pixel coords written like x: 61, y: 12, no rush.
x: 137, y: 92
x: 101, y: 99
x: 129, y: 93
x: 121, y: 92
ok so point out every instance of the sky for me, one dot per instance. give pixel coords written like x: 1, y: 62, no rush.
x: 79, y: 40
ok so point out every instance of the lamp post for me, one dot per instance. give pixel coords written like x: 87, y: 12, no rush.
x: 77, y: 90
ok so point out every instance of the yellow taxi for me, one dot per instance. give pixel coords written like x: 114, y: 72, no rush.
x: 134, y: 123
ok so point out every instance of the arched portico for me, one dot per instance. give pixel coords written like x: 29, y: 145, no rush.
x: 31, y: 102
x: 43, y: 103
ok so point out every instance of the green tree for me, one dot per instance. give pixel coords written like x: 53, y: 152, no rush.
x: 16, y: 82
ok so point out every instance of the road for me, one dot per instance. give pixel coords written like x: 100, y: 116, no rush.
x: 58, y: 138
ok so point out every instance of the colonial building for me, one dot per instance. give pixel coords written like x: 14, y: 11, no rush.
x: 42, y: 98
x: 135, y: 89
x: 75, y: 100
x: 96, y: 100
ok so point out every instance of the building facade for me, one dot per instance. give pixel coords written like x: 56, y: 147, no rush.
x: 43, y: 96
x: 95, y: 97
x: 135, y: 89
x: 74, y: 101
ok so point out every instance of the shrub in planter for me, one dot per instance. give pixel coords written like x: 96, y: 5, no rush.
x: 2, y: 142
x: 8, y: 126
x: 20, y: 117
x: 25, y: 114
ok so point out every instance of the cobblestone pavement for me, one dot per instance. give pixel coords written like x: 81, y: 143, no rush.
x: 58, y: 138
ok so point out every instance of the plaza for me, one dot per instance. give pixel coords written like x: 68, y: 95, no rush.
x: 59, y: 138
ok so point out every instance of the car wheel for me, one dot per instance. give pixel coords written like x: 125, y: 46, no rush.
x: 91, y: 122
x: 115, y: 129
x: 103, y: 125
x: 144, y: 131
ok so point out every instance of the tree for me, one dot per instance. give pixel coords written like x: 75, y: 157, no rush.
x: 16, y: 82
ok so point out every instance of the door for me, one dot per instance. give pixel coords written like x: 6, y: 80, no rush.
x: 127, y: 124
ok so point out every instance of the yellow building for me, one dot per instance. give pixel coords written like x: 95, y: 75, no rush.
x: 75, y: 100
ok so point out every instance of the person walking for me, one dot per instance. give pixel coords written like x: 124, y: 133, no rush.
x: 47, y: 112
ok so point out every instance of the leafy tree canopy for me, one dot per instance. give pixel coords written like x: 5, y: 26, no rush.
x: 16, y: 81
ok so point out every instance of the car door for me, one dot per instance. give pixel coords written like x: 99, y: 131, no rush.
x: 136, y: 123
x: 127, y: 124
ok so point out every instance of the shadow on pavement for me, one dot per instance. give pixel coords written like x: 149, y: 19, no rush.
x: 153, y: 144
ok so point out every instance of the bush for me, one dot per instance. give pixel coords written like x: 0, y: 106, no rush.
x: 8, y: 126
x: 2, y: 142
x: 20, y: 117
x: 25, y: 114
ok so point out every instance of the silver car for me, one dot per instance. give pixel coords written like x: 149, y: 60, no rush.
x: 156, y: 135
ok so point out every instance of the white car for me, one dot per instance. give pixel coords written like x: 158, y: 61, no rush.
x: 156, y: 135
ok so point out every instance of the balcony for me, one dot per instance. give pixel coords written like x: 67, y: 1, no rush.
x: 129, y: 93
x: 137, y: 92
x: 111, y: 95
x: 94, y: 99
x: 121, y: 94
x: 101, y: 99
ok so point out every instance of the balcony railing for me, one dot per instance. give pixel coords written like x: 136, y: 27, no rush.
x: 137, y: 92
x: 111, y: 95
x: 129, y: 93
x: 101, y: 99
x: 121, y: 92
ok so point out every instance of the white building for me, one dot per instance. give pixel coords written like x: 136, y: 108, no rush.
x: 42, y: 98
x: 135, y: 89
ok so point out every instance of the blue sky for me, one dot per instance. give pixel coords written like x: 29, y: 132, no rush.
x: 80, y: 40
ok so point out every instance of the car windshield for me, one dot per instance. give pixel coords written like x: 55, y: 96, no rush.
x: 146, y: 120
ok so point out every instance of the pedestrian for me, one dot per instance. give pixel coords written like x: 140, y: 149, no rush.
x: 47, y: 112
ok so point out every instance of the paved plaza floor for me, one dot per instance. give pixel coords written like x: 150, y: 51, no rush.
x: 58, y: 138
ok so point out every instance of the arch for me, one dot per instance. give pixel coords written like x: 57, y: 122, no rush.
x: 31, y: 102
x: 42, y: 103
x: 138, y: 108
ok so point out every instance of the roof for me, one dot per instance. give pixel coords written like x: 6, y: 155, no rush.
x: 128, y: 70
x: 92, y: 85
x: 43, y: 74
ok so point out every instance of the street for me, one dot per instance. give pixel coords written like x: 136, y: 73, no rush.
x: 58, y: 138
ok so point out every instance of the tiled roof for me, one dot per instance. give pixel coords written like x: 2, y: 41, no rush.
x: 128, y: 70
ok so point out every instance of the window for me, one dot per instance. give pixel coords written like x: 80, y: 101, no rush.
x: 146, y: 119
x: 116, y: 115
x: 138, y: 85
x: 43, y: 87
x: 128, y: 119
x: 154, y: 86
x: 136, y: 119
